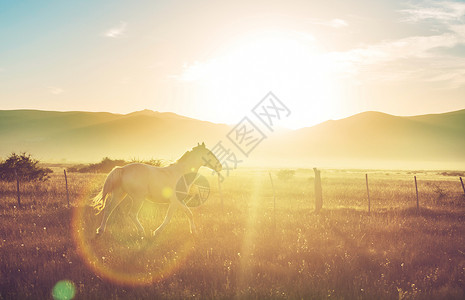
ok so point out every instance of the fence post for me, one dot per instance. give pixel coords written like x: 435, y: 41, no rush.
x: 66, y: 181
x: 416, y: 189
x: 463, y: 187
x: 368, y: 193
x: 318, y: 191
x: 17, y: 189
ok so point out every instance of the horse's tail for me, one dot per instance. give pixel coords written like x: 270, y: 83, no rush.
x: 111, y: 183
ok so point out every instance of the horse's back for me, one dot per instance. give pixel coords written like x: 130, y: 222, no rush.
x: 147, y: 181
x: 136, y: 167
x: 135, y: 178
x: 144, y: 171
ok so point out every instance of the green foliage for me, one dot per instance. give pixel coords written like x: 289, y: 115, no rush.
x: 285, y: 174
x: 107, y: 164
x: 25, y: 167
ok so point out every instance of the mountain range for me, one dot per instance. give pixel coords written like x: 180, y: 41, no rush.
x: 365, y: 140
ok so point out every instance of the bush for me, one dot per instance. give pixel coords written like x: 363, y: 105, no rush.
x: 285, y: 174
x: 452, y: 173
x: 104, y: 166
x: 107, y: 164
x: 152, y: 162
x: 25, y: 166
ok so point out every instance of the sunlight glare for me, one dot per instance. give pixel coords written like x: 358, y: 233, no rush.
x: 290, y: 64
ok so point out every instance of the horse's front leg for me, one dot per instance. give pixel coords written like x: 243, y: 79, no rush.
x: 188, y: 213
x: 169, y: 214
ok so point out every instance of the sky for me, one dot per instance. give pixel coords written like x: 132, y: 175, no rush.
x: 214, y: 60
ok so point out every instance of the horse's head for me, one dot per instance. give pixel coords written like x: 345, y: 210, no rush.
x: 209, y: 159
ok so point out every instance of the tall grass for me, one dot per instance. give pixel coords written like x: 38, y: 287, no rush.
x: 250, y: 250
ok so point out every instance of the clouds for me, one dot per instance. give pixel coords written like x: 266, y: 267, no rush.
x: 338, y: 23
x: 264, y: 57
x: 442, y: 11
x: 55, y: 90
x: 117, y: 31
x: 414, y: 58
x: 334, y: 23
x: 409, y: 47
x: 433, y: 59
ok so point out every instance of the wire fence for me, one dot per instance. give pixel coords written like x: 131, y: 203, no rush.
x: 368, y: 191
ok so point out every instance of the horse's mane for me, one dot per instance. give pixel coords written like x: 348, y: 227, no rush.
x: 183, y: 157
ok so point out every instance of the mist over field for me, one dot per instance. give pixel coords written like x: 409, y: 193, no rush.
x: 365, y: 140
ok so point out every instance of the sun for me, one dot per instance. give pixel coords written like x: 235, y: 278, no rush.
x: 291, y: 64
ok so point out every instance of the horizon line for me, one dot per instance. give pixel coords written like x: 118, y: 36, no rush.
x: 202, y: 120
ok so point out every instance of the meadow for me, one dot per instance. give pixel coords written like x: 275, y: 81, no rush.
x: 245, y: 247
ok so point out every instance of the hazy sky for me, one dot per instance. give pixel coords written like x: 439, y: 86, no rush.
x: 213, y: 60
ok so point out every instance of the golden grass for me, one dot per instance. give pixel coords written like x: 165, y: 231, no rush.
x: 248, y: 250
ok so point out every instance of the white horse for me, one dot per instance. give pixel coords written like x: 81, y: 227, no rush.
x: 144, y: 182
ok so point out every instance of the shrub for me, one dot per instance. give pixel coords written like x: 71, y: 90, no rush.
x: 152, y: 162
x: 452, y: 173
x: 104, y: 166
x: 25, y: 167
x: 285, y: 174
x: 107, y: 164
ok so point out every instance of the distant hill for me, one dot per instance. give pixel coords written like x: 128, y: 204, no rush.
x: 369, y: 139
x: 89, y: 136
x: 380, y: 140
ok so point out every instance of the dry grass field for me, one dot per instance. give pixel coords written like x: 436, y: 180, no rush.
x: 245, y: 248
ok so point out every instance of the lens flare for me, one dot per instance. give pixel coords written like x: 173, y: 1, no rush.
x: 120, y: 255
x: 63, y: 290
x: 167, y: 192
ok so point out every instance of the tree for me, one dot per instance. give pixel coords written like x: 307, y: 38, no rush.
x: 25, y: 166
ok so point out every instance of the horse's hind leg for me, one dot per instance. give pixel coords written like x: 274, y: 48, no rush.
x: 115, y: 199
x: 137, y: 203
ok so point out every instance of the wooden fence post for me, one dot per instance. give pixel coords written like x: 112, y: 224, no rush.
x: 368, y: 193
x: 416, y: 188
x: 318, y: 191
x: 17, y: 189
x: 463, y: 187
x: 67, y: 191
